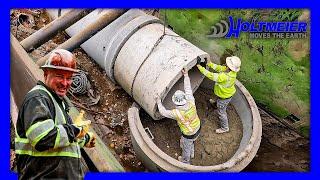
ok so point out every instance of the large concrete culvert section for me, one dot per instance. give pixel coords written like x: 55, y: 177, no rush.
x: 136, y: 54
x: 156, y: 160
x: 142, y: 56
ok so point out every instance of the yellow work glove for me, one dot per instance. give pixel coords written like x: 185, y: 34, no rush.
x: 92, y: 140
x: 82, y: 124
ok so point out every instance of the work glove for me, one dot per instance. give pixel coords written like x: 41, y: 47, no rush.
x: 201, y: 62
x: 92, y: 140
x: 82, y: 124
x: 82, y: 132
x: 198, y: 60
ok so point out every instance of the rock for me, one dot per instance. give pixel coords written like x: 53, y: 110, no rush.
x: 219, y: 156
x: 303, y: 161
x: 277, y: 163
x: 105, y: 130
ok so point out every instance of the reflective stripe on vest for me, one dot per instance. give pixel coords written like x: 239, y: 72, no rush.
x: 183, y: 121
x: 36, y: 132
x: 227, y: 88
x: 227, y: 84
x: 188, y: 125
x: 59, y: 119
x: 23, y: 146
x: 62, y: 137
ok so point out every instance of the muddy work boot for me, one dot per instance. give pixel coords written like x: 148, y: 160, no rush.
x: 220, y: 130
x: 180, y: 158
x: 213, y: 103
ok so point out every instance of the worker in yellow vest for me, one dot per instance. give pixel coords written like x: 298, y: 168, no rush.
x: 224, y: 87
x: 186, y: 115
x: 48, y: 142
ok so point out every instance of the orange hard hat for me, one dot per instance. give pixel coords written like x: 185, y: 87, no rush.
x: 61, y: 59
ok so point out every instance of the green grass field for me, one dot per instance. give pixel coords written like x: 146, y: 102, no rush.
x: 275, y: 71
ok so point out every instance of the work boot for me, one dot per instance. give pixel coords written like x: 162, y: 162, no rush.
x: 180, y: 158
x: 212, y: 101
x: 220, y: 130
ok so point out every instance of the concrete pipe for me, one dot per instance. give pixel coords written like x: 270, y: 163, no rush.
x: 54, y: 13
x: 144, y: 59
x: 85, y: 33
x: 156, y: 160
x: 47, y: 32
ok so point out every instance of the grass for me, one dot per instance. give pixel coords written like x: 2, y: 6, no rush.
x: 305, y: 130
x: 274, y: 76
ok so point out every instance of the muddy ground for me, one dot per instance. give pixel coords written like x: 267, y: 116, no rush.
x: 210, y: 148
x: 281, y: 149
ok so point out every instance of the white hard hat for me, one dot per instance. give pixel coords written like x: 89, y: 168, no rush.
x: 233, y: 63
x: 179, y: 98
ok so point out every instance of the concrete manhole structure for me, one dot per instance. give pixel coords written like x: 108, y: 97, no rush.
x: 146, y: 59
x: 156, y: 160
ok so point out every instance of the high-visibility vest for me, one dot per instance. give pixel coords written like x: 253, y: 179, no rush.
x: 226, y: 89
x: 37, y: 131
x: 188, y: 120
x: 224, y: 81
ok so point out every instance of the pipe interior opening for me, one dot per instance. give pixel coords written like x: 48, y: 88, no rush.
x: 195, y: 78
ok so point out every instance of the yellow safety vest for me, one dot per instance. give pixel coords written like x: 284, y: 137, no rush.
x: 226, y: 89
x: 224, y: 82
x: 37, y: 131
x: 188, y: 120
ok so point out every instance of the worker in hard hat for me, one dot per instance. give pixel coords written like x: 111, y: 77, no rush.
x: 186, y: 115
x: 47, y: 143
x: 224, y: 87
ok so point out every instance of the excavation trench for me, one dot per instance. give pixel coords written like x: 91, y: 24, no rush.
x: 210, y: 148
x: 232, y: 151
x: 145, y: 58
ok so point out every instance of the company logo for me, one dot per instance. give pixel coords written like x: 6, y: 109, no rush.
x: 260, y: 29
x: 221, y: 31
